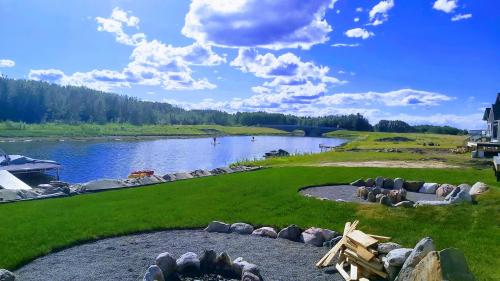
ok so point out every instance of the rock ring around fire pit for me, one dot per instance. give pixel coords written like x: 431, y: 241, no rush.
x: 128, y: 257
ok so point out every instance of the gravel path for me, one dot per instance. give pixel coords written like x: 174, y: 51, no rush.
x: 128, y: 257
x: 348, y: 193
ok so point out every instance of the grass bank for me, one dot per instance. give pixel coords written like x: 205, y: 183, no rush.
x: 266, y: 197
x: 22, y: 130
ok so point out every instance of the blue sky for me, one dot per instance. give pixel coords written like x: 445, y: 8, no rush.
x: 426, y: 61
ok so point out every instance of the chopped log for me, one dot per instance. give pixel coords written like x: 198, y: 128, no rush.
x: 354, y: 272
x: 381, y: 239
x: 340, y: 269
x: 362, y: 239
x: 370, y: 266
x: 326, y: 260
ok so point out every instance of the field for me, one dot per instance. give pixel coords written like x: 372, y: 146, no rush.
x: 16, y: 130
x: 265, y: 197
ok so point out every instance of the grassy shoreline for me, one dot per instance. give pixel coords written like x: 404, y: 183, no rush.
x: 9, y: 130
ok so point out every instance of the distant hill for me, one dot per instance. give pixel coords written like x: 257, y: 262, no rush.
x: 39, y: 102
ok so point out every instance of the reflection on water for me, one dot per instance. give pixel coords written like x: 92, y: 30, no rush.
x: 93, y: 159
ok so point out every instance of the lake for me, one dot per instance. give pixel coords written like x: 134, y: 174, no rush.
x: 87, y: 160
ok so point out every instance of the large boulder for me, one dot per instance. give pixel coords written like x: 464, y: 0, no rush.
x: 362, y: 192
x: 265, y: 232
x: 200, y: 173
x: 413, y: 186
x: 248, y: 276
x: 398, y: 183
x: 448, y: 264
x: 313, y: 236
x: 153, y: 273
x: 478, y: 188
x: 397, y: 196
x: 461, y: 196
x: 183, y: 176
x: 379, y: 182
x: 241, y: 228
x: 429, y: 188
x: 208, y: 261
x: 6, y: 275
x: 103, y: 184
x: 397, y: 257
x: 358, y: 182
x: 369, y: 182
x: 221, y: 170
x: 422, y: 248
x: 217, y: 226
x: 167, y: 263
x: 240, y: 266
x: 371, y: 197
x: 329, y: 234
x: 385, y: 248
x: 388, y: 183
x: 169, y: 177
x: 444, y: 190
x: 223, y: 264
x: 385, y: 200
x: 291, y: 232
x: 332, y: 242
x: 188, y: 263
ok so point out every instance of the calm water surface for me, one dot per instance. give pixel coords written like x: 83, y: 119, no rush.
x: 83, y: 161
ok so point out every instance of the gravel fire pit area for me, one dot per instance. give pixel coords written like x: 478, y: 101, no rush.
x: 128, y: 257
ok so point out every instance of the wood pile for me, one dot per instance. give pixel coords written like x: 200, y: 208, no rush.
x: 356, y: 251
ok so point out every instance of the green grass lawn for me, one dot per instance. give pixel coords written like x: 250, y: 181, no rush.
x: 371, y: 140
x: 12, y: 130
x: 266, y: 197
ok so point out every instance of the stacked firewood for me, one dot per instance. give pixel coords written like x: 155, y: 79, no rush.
x: 357, y: 256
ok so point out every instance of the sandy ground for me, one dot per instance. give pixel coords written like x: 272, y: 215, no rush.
x: 128, y: 257
x: 390, y: 164
x: 348, y: 193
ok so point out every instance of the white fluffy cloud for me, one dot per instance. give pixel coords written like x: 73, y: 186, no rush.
x: 461, y: 17
x: 379, y: 13
x: 447, y: 6
x: 273, y: 24
x: 339, y: 45
x: 288, y: 77
x: 115, y: 24
x: 7, y: 63
x: 359, y: 33
x: 152, y: 62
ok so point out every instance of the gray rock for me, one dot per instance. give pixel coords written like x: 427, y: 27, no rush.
x: 376, y: 190
x: 6, y: 275
x: 329, y: 234
x: 444, y: 190
x: 223, y: 264
x: 397, y: 257
x: 392, y: 272
x: 208, y: 261
x: 385, y: 200
x: 429, y: 188
x: 217, y: 226
x: 332, y: 242
x: 362, y: 192
x: 167, y: 263
x: 153, y: 273
x: 405, y: 204
x: 240, y: 266
x: 248, y: 276
x: 188, y: 263
x: 103, y: 184
x: 200, y: 173
x: 388, y: 183
x: 265, y: 232
x: 398, y: 183
x: 379, y: 182
x: 385, y: 248
x: 431, y: 203
x: 448, y: 264
x: 462, y: 196
x: 378, y: 197
x: 291, y: 232
x: 478, y: 188
x: 413, y: 186
x: 422, y: 248
x: 183, y: 176
x: 313, y: 236
x: 371, y: 197
x: 241, y: 228
x: 221, y: 170
x: 370, y: 182
x: 358, y: 182
x: 452, y: 194
x: 169, y: 177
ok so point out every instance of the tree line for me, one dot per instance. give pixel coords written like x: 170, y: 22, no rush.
x: 39, y: 102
